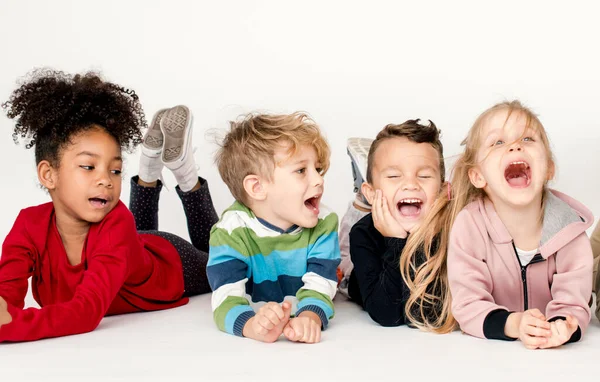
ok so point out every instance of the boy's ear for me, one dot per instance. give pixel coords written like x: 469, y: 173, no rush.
x: 368, y: 192
x: 476, y: 178
x: 46, y: 175
x: 254, y: 187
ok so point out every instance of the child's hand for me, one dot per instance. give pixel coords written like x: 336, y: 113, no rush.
x: 383, y: 220
x: 534, y: 330
x: 268, y: 323
x: 562, y: 330
x: 304, y: 328
x: 5, y: 317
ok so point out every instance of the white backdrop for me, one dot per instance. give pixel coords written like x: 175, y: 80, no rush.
x: 354, y: 66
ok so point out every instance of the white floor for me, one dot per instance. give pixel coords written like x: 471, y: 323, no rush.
x: 183, y: 344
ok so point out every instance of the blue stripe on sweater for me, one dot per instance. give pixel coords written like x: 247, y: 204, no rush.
x: 226, y: 273
x: 324, y: 268
x: 235, y: 270
x: 274, y: 290
x: 264, y: 268
x: 315, y: 301
x: 221, y: 254
x: 325, y: 247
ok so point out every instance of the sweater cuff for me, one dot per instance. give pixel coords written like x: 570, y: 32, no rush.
x: 318, y: 311
x: 576, y: 336
x: 493, y: 325
x: 240, y: 322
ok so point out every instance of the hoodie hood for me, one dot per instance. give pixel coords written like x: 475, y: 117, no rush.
x: 564, y: 219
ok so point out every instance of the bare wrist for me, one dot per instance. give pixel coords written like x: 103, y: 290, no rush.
x: 312, y: 315
x: 511, y: 328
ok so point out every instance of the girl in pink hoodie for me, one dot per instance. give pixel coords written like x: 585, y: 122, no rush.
x: 519, y: 260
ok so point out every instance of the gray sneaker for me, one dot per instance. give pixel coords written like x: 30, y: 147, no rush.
x: 152, y: 144
x: 176, y: 127
x: 358, y: 150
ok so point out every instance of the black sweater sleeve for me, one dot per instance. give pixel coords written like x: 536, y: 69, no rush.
x: 377, y: 272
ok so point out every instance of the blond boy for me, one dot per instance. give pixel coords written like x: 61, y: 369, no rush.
x: 273, y: 256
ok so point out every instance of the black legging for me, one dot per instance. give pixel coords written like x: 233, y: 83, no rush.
x: 201, y: 216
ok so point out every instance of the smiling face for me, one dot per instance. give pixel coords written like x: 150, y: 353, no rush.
x: 293, y: 195
x: 408, y: 174
x: 86, y: 186
x: 513, y: 162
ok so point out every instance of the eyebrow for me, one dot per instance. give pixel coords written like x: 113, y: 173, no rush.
x: 497, y: 132
x: 425, y: 167
x: 94, y: 155
x: 299, y: 162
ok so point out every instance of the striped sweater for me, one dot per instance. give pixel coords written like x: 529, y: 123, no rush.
x: 251, y: 263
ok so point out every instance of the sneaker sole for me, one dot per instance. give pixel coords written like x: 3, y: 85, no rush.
x: 153, y: 140
x: 176, y: 127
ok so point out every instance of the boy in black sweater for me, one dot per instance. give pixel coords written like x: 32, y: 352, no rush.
x: 405, y: 172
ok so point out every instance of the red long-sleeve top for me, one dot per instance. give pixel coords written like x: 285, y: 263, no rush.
x: 121, y: 271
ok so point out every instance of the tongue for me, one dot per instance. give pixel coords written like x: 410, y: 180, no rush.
x: 309, y: 204
x: 97, y: 203
x: 517, y: 181
x: 409, y: 209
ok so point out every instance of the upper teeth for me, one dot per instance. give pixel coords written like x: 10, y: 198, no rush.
x: 410, y: 201
x: 519, y: 162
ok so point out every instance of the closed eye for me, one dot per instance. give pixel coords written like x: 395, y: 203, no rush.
x: 425, y: 176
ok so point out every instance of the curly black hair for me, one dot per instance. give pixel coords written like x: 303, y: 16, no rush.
x: 50, y: 107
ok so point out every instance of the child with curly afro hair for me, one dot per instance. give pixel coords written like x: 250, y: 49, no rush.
x: 86, y: 253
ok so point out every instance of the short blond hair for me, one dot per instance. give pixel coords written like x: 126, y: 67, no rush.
x: 249, y: 147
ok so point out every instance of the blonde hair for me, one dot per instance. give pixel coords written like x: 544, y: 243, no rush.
x: 249, y: 147
x: 428, y: 283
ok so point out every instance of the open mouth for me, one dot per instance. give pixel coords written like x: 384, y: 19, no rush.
x: 409, y: 207
x: 98, y: 202
x: 313, y: 204
x: 518, y: 174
